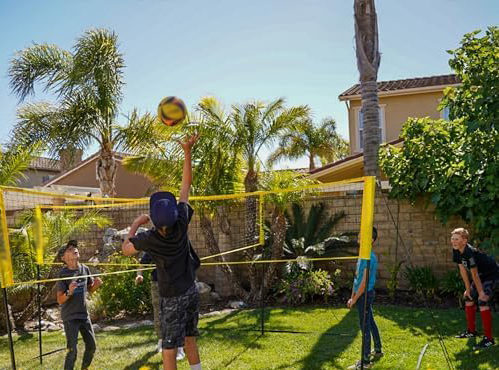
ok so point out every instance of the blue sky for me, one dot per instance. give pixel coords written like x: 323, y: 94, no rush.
x: 243, y: 50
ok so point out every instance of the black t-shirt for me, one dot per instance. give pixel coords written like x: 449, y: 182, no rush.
x: 76, y: 305
x: 472, y: 257
x: 175, y: 259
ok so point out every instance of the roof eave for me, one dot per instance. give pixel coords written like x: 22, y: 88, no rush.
x: 416, y: 90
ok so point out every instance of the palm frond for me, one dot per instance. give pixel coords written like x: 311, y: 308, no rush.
x: 15, y: 160
x: 40, y: 62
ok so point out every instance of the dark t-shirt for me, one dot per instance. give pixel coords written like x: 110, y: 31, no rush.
x: 76, y: 305
x: 176, y: 261
x: 146, y: 259
x: 472, y: 257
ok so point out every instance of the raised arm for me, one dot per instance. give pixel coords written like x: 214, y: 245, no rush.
x: 185, y: 188
x: 127, y: 247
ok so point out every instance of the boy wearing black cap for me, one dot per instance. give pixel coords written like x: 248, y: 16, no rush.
x: 71, y: 295
x: 169, y: 246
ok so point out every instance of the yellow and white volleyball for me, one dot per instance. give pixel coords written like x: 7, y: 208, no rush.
x: 171, y: 110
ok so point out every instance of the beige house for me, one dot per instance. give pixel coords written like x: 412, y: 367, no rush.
x: 83, y: 176
x: 398, y: 100
x: 40, y: 171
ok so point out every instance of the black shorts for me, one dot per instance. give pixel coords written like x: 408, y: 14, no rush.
x: 488, y: 288
x: 178, y: 318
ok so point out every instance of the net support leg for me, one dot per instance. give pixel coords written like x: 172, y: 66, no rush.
x: 364, y: 317
x: 9, y: 329
x: 262, y: 301
x: 39, y: 316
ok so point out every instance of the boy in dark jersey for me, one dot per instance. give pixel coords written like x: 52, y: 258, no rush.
x: 71, y: 295
x: 146, y: 259
x: 176, y: 262
x: 484, y: 273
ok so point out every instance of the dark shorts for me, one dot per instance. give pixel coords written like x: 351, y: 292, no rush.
x: 488, y: 288
x: 178, y: 318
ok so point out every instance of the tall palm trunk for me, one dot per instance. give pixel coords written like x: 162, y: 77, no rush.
x: 213, y: 247
x: 106, y: 170
x: 278, y: 228
x: 368, y: 59
x: 311, y: 162
x: 251, y: 185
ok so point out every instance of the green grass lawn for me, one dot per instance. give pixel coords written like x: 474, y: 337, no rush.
x: 333, y: 342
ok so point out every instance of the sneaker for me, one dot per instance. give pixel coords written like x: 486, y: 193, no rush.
x: 467, y: 334
x: 484, y: 343
x: 160, y: 347
x: 376, y: 354
x: 358, y: 365
x: 180, y: 353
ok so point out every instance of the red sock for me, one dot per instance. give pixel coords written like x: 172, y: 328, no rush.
x: 470, y: 317
x: 487, y: 323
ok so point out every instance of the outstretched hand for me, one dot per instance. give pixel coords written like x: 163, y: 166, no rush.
x: 188, y: 142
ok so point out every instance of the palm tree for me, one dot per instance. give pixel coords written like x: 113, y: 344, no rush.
x: 15, y: 160
x: 305, y: 138
x: 87, y: 83
x: 279, y: 202
x: 368, y: 59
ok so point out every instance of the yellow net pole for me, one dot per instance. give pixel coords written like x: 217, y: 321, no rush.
x: 6, y: 275
x: 39, y: 246
x: 262, y: 236
x: 367, y: 218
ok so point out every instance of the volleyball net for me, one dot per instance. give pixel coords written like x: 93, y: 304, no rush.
x: 233, y: 229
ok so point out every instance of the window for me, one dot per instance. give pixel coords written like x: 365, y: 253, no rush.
x: 444, y: 113
x: 360, y: 121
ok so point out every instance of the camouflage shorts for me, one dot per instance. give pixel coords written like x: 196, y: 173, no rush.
x: 178, y: 318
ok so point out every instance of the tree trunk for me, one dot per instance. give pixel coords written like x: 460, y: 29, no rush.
x: 251, y: 185
x: 213, y: 247
x: 3, y: 320
x: 278, y: 229
x: 368, y: 59
x: 106, y: 171
x: 311, y: 163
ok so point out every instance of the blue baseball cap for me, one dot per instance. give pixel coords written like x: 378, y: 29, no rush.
x: 163, y: 209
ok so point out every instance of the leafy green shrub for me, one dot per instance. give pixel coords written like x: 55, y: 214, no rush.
x: 422, y: 280
x: 300, y: 286
x: 119, y: 293
x: 453, y: 285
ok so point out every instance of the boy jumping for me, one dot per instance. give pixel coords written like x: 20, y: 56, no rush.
x: 71, y: 294
x: 358, y: 291
x: 484, y: 273
x: 176, y: 263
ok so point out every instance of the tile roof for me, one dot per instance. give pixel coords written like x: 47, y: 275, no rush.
x: 42, y: 163
x: 409, y: 83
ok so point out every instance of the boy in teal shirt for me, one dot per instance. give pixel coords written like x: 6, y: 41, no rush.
x: 357, y: 298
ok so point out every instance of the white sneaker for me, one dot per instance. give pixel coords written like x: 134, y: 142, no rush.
x: 160, y: 348
x: 180, y: 353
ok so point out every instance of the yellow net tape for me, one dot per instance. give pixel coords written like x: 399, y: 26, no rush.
x: 6, y: 274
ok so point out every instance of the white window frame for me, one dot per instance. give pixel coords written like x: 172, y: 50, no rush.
x: 382, y: 124
x: 444, y: 113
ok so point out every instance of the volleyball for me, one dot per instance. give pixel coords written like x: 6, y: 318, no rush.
x: 171, y: 110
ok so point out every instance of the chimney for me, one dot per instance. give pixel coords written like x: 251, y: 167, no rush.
x: 70, y: 157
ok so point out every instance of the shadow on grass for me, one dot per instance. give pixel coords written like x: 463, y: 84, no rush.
x: 143, y: 361
x: 447, y: 323
x: 250, y: 345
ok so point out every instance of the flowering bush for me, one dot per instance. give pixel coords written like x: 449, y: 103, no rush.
x: 300, y: 286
